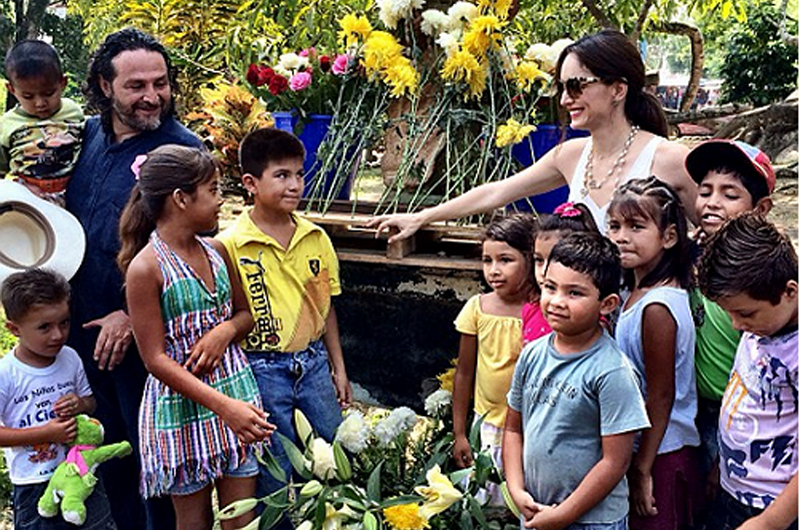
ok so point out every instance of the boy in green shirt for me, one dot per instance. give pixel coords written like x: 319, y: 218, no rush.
x: 732, y: 177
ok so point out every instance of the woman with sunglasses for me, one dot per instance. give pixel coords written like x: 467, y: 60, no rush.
x: 600, y: 81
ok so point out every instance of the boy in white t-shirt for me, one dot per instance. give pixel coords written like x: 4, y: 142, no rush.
x: 750, y: 269
x: 42, y: 388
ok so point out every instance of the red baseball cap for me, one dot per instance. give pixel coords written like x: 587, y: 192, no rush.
x: 732, y: 153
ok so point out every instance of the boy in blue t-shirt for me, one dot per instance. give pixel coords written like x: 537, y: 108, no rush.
x: 574, y: 402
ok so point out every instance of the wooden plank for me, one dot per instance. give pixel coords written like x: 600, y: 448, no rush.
x: 413, y: 260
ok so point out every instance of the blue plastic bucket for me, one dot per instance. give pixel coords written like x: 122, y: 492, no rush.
x: 311, y: 134
x: 539, y: 142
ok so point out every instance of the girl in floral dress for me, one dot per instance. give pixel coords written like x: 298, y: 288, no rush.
x: 200, y: 410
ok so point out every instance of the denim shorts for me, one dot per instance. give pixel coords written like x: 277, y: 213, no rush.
x: 247, y: 469
x: 26, y: 514
x: 622, y: 524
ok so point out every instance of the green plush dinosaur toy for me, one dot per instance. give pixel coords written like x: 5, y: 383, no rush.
x: 74, y: 479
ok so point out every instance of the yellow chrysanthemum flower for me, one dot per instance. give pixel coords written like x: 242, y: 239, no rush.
x: 446, y: 378
x: 380, y: 50
x: 483, y: 34
x: 401, y: 77
x: 464, y: 67
x: 354, y: 29
x: 405, y: 517
x: 512, y: 132
x: 501, y: 7
x: 529, y: 75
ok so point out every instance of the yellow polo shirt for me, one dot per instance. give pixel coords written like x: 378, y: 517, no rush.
x: 289, y: 290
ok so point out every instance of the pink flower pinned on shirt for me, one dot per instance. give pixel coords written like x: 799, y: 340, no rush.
x: 300, y: 81
x: 137, y: 165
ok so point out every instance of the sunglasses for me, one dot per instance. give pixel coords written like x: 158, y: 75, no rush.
x: 575, y: 86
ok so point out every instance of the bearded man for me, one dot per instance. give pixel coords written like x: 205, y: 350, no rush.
x: 130, y: 87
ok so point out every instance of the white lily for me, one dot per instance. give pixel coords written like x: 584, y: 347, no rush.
x: 439, y: 494
x: 324, y: 464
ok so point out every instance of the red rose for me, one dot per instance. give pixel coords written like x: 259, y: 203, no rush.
x: 278, y: 84
x: 325, y: 63
x: 265, y: 73
x: 252, y: 75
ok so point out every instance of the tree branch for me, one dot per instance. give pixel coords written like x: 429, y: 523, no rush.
x: 696, y: 38
x: 598, y: 14
x: 637, y: 28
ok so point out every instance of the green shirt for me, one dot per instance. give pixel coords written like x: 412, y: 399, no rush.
x: 715, y: 346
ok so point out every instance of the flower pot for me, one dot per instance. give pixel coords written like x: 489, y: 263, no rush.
x: 539, y: 142
x: 311, y: 133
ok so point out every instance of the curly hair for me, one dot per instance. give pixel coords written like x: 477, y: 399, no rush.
x: 101, y: 66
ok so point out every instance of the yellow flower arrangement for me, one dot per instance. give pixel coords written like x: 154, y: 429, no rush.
x: 463, y: 67
x: 405, y: 517
x: 354, y: 30
x: 512, y: 132
x: 529, y: 76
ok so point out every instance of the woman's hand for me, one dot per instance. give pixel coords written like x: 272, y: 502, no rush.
x: 462, y: 452
x: 406, y: 224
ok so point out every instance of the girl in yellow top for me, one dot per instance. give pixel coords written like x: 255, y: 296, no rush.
x: 491, y: 335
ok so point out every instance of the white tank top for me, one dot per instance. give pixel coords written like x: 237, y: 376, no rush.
x: 641, y: 168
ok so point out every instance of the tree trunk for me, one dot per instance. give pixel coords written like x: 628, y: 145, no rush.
x: 29, y: 16
x: 696, y: 38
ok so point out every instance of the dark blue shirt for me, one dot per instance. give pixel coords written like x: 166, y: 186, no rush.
x: 98, y: 191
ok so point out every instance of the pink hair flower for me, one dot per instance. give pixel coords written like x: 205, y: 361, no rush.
x: 300, y: 81
x: 340, y: 64
x: 567, y: 209
x: 137, y: 165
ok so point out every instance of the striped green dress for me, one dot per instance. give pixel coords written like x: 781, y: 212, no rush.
x: 181, y: 441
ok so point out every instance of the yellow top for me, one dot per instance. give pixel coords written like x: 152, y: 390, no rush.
x: 499, y: 345
x: 289, y: 290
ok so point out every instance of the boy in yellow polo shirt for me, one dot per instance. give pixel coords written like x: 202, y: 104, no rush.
x: 289, y: 271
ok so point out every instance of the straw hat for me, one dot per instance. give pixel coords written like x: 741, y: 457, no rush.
x: 36, y: 233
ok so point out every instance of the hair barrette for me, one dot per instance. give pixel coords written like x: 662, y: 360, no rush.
x: 137, y: 165
x: 567, y: 209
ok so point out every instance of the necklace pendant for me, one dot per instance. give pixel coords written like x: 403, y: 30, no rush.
x: 584, y: 192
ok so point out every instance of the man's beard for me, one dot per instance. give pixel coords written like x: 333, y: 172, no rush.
x: 129, y: 117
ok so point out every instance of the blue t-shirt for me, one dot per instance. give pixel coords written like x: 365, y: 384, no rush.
x: 568, y: 403
x: 98, y: 191
x: 681, y: 430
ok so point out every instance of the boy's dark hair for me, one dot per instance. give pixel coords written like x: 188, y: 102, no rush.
x: 264, y: 146
x: 654, y: 199
x: 748, y: 255
x: 591, y: 254
x: 102, y: 67
x: 23, y: 290
x: 33, y: 58
x: 750, y: 179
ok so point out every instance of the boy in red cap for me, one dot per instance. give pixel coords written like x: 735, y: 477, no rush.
x: 732, y: 177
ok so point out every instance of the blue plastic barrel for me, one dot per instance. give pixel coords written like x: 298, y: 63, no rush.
x: 539, y: 142
x: 311, y: 134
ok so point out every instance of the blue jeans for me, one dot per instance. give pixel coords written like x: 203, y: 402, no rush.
x: 26, y: 515
x: 296, y: 380
x: 728, y: 514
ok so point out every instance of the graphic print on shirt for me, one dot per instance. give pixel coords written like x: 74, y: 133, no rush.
x: 264, y: 335
x: 773, y: 389
x: 40, y: 402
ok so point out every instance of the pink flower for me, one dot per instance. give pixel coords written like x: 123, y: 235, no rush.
x: 340, y: 64
x: 299, y: 81
x: 308, y: 52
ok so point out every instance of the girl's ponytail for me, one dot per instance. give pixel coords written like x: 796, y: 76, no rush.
x: 135, y: 226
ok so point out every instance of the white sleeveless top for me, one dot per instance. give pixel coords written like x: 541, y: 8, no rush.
x: 641, y: 168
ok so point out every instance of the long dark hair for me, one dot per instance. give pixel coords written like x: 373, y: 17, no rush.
x: 517, y: 230
x: 611, y: 56
x: 654, y: 199
x: 166, y: 169
x: 101, y: 67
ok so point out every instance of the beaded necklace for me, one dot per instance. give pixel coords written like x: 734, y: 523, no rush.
x: 590, y: 184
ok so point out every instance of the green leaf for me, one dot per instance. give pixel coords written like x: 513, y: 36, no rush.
x: 475, y: 434
x: 370, y: 522
x: 267, y: 460
x: 466, y: 521
x: 457, y: 476
x: 343, y: 469
x: 374, y: 484
x: 402, y: 499
x: 476, y: 511
x: 295, y: 456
